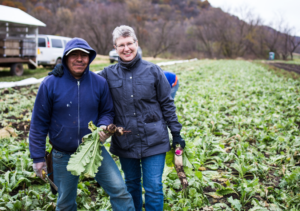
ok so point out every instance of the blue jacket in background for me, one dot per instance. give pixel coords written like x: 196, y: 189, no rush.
x: 64, y: 107
x: 171, y: 77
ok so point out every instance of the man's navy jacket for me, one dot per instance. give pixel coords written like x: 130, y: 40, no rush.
x: 64, y: 107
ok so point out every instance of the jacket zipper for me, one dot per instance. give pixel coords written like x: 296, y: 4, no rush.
x: 78, y: 83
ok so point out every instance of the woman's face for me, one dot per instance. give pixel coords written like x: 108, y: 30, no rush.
x: 126, y: 48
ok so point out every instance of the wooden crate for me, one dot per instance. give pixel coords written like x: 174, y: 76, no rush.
x: 28, y: 52
x: 4, y: 52
x: 28, y: 43
x: 7, y: 43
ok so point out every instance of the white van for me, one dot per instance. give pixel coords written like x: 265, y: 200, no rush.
x: 50, y: 49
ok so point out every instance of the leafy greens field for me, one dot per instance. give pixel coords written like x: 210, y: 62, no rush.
x: 241, y: 124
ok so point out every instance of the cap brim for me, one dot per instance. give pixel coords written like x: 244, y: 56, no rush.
x: 77, y: 49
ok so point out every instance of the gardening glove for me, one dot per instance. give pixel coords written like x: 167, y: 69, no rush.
x: 57, y: 71
x: 38, y: 167
x: 177, y: 139
x: 103, y: 135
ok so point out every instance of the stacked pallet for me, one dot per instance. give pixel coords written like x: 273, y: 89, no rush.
x: 28, y: 47
x: 17, y: 48
x: 9, y: 47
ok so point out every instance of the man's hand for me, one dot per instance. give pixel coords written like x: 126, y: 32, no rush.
x: 57, y: 71
x: 177, y: 139
x: 38, y: 168
x: 103, y: 135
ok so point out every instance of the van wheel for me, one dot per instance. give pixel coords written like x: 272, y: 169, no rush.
x: 17, y: 69
x: 31, y: 67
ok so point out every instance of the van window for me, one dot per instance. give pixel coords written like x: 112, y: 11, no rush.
x: 56, y: 43
x: 42, y: 42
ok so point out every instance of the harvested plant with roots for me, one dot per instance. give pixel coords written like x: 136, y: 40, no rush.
x: 87, y: 157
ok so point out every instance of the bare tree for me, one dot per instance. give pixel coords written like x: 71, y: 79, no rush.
x: 140, y: 12
x: 96, y: 23
x: 164, y: 36
x: 204, y: 30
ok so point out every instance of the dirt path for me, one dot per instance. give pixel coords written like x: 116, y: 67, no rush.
x: 288, y: 67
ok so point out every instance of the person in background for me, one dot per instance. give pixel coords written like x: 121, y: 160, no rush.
x: 63, y: 107
x: 173, y: 81
x: 143, y: 105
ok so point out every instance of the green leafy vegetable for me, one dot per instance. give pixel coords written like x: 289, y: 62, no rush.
x: 87, y: 157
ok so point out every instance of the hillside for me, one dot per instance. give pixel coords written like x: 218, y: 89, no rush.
x: 165, y: 28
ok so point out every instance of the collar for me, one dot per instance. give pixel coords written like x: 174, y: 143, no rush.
x: 130, y: 64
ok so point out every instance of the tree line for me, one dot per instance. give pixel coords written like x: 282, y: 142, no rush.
x: 166, y: 28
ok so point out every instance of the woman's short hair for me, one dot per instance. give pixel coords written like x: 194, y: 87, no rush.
x: 123, y: 31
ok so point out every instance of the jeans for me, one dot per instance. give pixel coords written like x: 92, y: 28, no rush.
x: 108, y: 176
x: 174, y: 90
x: 151, y: 168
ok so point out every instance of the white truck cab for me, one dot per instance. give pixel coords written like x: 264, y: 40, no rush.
x: 50, y: 49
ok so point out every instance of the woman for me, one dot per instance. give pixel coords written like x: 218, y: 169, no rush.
x: 143, y: 105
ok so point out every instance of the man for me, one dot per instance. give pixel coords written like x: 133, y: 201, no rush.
x: 173, y: 81
x: 63, y: 107
x: 143, y: 105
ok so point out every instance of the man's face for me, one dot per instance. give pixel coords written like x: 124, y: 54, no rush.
x: 126, y: 48
x: 77, y: 62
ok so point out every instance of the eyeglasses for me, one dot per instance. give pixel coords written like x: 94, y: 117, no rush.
x: 122, y: 46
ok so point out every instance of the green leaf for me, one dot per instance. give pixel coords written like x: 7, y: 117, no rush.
x: 81, y: 158
x: 20, y: 180
x: 173, y: 175
x: 170, y: 158
x: 192, y: 192
x: 170, y: 194
x: 87, y: 158
x: 167, y: 207
x: 225, y: 191
x: 177, y: 184
x: 18, y: 205
x: 198, y: 174
x: 91, y: 126
x: 235, y: 203
x: 95, y: 161
x: 185, y: 161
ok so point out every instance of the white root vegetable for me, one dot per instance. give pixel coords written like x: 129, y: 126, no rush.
x: 179, y: 167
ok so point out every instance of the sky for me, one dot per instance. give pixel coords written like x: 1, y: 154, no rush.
x: 272, y: 12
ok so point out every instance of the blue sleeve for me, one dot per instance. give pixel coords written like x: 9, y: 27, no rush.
x: 166, y: 102
x: 106, y: 107
x: 39, y: 125
x: 170, y: 77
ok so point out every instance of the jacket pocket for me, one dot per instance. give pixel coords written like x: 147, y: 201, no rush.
x: 55, y: 130
x: 123, y: 142
x: 156, y: 133
x: 146, y: 89
x: 66, y: 139
x: 116, y: 88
